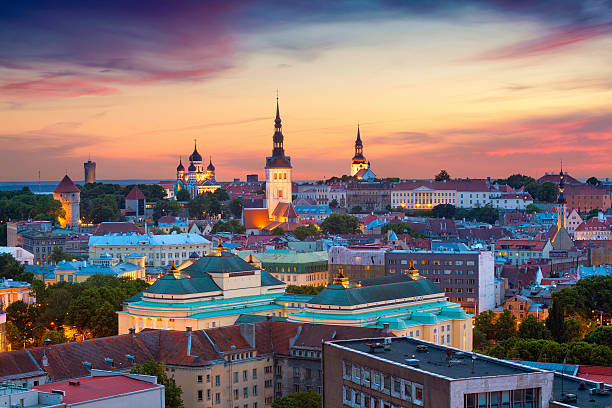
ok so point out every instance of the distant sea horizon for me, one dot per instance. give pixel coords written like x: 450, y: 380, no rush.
x: 47, y: 186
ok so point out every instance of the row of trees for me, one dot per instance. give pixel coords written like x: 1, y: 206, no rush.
x: 91, y: 307
x: 23, y: 204
x: 571, y: 328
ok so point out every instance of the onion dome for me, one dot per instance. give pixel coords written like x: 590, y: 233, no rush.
x: 210, y: 166
x: 195, y: 156
x: 180, y: 166
x: 192, y: 167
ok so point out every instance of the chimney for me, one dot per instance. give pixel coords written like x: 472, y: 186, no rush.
x: 188, y: 329
x: 132, y: 331
x: 386, y: 329
x: 247, y: 331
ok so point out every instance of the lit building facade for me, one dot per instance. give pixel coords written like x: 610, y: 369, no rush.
x: 407, y: 305
x: 359, y: 161
x: 213, y: 291
x: 197, y: 179
x: 159, y: 250
x: 69, y: 195
x: 421, y: 195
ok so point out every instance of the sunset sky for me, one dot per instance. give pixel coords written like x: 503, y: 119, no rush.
x: 484, y: 88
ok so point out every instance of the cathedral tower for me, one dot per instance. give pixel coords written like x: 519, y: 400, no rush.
x: 359, y: 161
x: 278, y: 169
x: 69, y: 195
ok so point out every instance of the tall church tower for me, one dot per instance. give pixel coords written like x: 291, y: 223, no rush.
x: 278, y: 170
x: 69, y: 195
x: 359, y: 161
x: 561, y: 203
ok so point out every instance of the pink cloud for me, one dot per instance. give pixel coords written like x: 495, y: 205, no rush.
x: 555, y: 41
x: 55, y: 88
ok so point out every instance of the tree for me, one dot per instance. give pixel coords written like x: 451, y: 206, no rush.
x: 443, y: 211
x: 593, y: 212
x: 304, y: 231
x: 166, y: 207
x: 333, y: 204
x: 24, y: 317
x: 56, y: 337
x: 278, y: 231
x: 554, y: 321
x: 442, y: 176
x: 58, y: 255
x: 221, y: 194
x: 308, y: 399
x: 3, y: 234
x: 479, y: 340
x: 532, y: 208
x: 235, y: 207
x: 593, y: 181
x: 531, y: 328
x: 183, y: 195
x: 601, y: 335
x: 485, y: 323
x: 505, y: 326
x: 10, y: 268
x: 517, y: 181
x: 548, y: 192
x: 233, y: 226
x: 340, y: 224
x: 172, y: 391
x: 573, y: 330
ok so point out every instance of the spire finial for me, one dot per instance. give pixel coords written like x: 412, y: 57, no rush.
x: 277, y: 121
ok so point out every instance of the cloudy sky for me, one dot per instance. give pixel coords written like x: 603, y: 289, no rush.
x: 479, y: 88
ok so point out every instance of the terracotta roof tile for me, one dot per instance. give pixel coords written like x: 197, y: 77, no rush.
x: 135, y: 194
x: 66, y: 186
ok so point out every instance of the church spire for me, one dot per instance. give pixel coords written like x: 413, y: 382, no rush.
x: 561, y: 199
x: 277, y: 121
x: 278, y: 138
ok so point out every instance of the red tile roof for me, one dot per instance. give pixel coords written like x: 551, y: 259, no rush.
x: 92, y: 388
x: 284, y: 209
x: 595, y: 373
x: 66, y: 186
x: 135, y: 194
x: 554, y: 178
x: 592, y: 225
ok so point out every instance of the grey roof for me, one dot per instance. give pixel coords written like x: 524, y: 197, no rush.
x: 170, y: 285
x: 338, y: 295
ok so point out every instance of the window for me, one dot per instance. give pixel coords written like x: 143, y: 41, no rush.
x: 217, y: 398
x: 235, y: 376
x: 217, y: 380
x: 199, y: 378
x: 207, y: 395
x: 236, y: 394
x: 254, y: 373
x: 245, y: 375
x: 199, y: 395
x: 254, y: 390
x: 245, y: 392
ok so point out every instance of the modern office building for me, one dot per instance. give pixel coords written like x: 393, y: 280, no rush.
x: 406, y: 372
x: 467, y: 277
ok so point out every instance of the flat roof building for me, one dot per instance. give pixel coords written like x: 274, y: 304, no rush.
x: 406, y: 372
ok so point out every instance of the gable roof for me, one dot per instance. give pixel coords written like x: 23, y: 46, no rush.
x: 135, y: 194
x: 66, y: 186
x: 284, y: 209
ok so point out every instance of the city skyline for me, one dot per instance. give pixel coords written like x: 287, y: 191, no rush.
x: 481, y: 89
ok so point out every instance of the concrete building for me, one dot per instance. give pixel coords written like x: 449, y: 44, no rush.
x: 15, y: 228
x: 210, y: 292
x: 370, y: 196
x: 406, y: 305
x: 472, y: 193
x: 467, y: 277
x: 21, y: 255
x: 3, y: 342
x: 511, y: 201
x: 135, y: 204
x: 107, y: 389
x: 12, y: 291
x: 90, y: 171
x: 406, y: 372
x: 423, y: 194
x: 41, y: 244
x: 520, y: 251
x: 593, y: 230
x: 80, y: 271
x: 69, y: 195
x: 522, y: 306
x: 586, y: 197
x: 356, y: 264
x: 159, y: 250
x: 293, y: 268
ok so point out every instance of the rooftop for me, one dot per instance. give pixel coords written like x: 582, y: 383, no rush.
x: 434, y: 360
x: 92, y: 388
